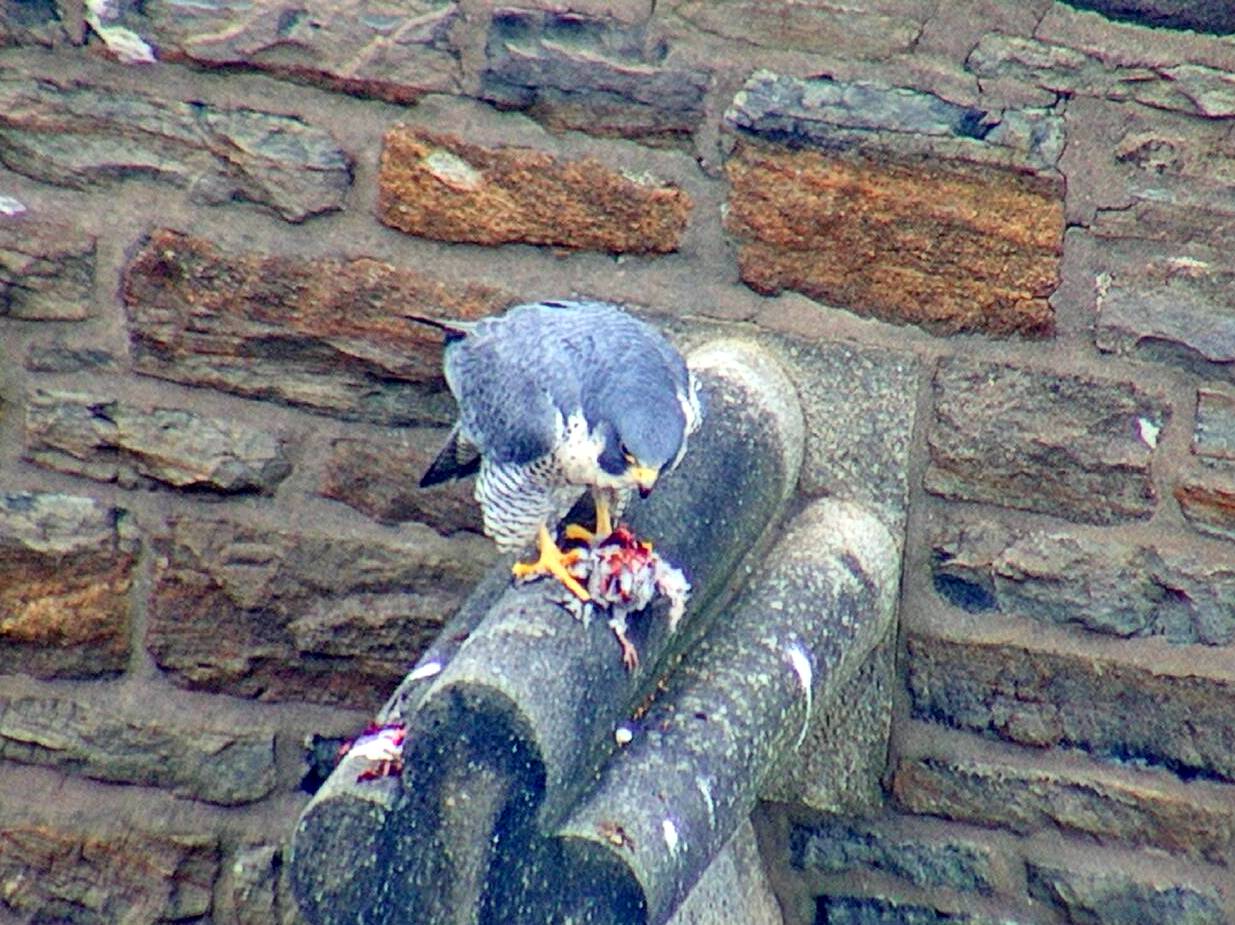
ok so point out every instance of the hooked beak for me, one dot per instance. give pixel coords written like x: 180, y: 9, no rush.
x: 645, y: 478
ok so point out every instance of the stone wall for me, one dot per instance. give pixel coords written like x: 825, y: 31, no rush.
x: 1016, y: 216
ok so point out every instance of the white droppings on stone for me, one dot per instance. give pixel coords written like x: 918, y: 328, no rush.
x: 11, y: 206
x: 427, y: 670
x: 1149, y: 432
x: 705, y: 788
x: 799, y: 660
x: 670, y: 832
x: 453, y: 171
x: 125, y: 44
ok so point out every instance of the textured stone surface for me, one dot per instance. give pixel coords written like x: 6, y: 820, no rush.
x: 440, y: 186
x: 380, y: 478
x: 279, y: 613
x: 1140, y: 174
x: 60, y: 357
x: 1213, y: 433
x: 66, y: 567
x: 840, y: 765
x: 1037, y: 697
x: 733, y: 889
x: 395, y: 51
x: 1178, y: 310
x: 254, y: 886
x: 522, y: 714
x: 1068, y: 576
x: 1014, y: 795
x: 845, y: 846
x: 329, y: 334
x: 134, y: 445
x: 902, y: 123
x: 1118, y: 899
x: 869, y: 910
x: 1190, y: 88
x: 891, y: 242
x: 903, y: 212
x: 859, y: 404
x: 97, y: 740
x: 82, y: 137
x: 1208, y: 503
x: 24, y: 23
x: 1074, y: 446
x: 864, y: 29
x: 46, y: 270
x: 588, y: 73
x: 57, y: 875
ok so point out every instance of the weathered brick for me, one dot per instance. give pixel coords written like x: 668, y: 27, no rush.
x: 1073, y: 446
x: 848, y: 847
x: 891, y: 210
x: 277, y: 613
x: 57, y: 875
x: 1114, y: 710
x: 1147, y: 810
x: 1190, y: 88
x: 98, y: 740
x: 1178, y: 310
x: 380, y: 478
x: 1207, y: 501
x: 46, y: 270
x: 1106, y: 584
x: 596, y: 74
x: 1213, y: 434
x: 391, y: 51
x: 329, y: 334
x: 865, y: 30
x: 83, y: 136
x: 1116, y: 898
x: 878, y: 910
x: 440, y: 186
x: 66, y: 567
x: 59, y: 357
x: 254, y: 886
x: 30, y: 24
x: 136, y: 445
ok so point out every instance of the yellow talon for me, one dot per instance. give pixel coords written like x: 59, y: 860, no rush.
x: 579, y: 532
x: 552, y: 561
x: 604, y: 525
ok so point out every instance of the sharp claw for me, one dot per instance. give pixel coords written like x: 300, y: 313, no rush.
x: 630, y: 655
x: 552, y: 561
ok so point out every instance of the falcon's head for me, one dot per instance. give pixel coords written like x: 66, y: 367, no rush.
x: 644, y: 435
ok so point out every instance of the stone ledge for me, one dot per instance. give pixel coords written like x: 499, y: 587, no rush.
x: 520, y: 717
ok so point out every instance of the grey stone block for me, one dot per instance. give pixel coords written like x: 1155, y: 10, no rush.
x: 514, y: 804
x: 510, y: 731
x: 82, y: 137
x: 1117, y: 898
x: 1074, y: 446
x: 839, y: 115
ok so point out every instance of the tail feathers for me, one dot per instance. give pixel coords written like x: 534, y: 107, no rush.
x: 454, y: 330
x: 458, y: 459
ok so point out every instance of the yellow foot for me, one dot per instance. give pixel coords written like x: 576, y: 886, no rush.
x: 552, y: 561
x: 604, y: 525
x: 579, y: 532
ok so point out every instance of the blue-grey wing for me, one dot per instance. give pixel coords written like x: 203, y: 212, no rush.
x: 509, y: 392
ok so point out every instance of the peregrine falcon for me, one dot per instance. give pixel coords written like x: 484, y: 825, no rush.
x: 556, y: 398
